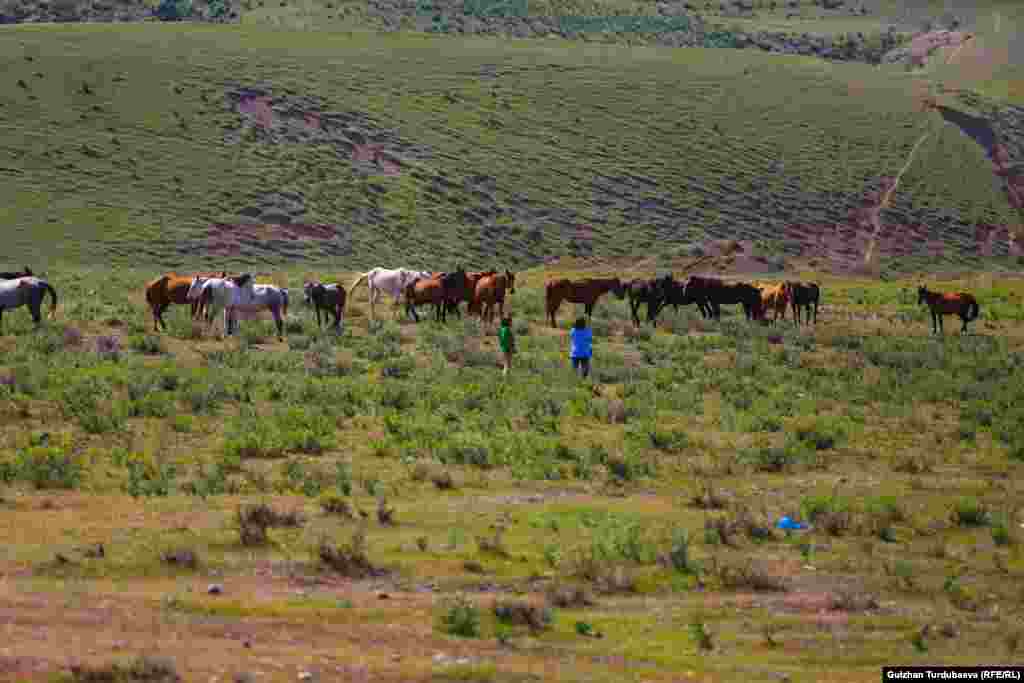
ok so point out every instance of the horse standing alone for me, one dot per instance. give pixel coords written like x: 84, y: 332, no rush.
x: 942, y: 304
x: 26, y: 291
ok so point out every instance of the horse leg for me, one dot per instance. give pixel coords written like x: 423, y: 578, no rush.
x: 279, y: 321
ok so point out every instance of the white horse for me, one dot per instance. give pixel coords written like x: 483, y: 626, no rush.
x: 250, y: 299
x: 213, y: 294
x: 392, y: 282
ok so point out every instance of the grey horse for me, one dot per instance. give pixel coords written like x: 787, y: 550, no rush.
x: 26, y: 291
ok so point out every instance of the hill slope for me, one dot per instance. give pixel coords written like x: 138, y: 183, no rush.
x: 190, y: 143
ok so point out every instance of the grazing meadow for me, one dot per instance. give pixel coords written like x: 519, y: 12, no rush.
x: 381, y: 503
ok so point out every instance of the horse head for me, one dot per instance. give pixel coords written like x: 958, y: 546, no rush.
x: 241, y: 280
x: 511, y: 277
x: 307, y: 291
x: 922, y: 294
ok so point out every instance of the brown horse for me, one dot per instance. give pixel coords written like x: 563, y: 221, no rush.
x: 585, y: 292
x: 948, y: 303
x: 774, y: 298
x: 442, y: 290
x: 490, y: 290
x: 804, y: 295
x: 172, y: 289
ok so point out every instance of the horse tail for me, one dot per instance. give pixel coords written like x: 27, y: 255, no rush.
x: 358, y: 281
x: 53, y: 299
x: 973, y: 309
x: 151, y: 288
x: 284, y: 306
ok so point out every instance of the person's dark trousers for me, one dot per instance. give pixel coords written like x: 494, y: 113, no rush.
x: 582, y: 365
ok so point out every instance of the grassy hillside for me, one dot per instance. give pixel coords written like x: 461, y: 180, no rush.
x: 652, y: 489
x: 140, y: 144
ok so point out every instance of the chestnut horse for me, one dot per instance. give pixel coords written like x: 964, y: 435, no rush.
x: 490, y: 290
x: 441, y: 290
x: 774, y: 298
x: 585, y: 292
x: 948, y: 303
x: 172, y: 288
x: 803, y: 295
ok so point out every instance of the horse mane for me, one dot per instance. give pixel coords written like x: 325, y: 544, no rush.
x: 241, y: 280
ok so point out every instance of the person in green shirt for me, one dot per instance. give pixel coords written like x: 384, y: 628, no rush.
x: 507, y: 342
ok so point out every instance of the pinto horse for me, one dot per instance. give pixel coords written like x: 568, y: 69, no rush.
x: 774, y: 298
x: 172, y: 288
x: 440, y: 290
x: 329, y: 298
x: 490, y: 290
x: 948, y: 303
x: 804, y: 295
x: 27, y: 291
x: 641, y: 292
x: 715, y: 293
x: 673, y: 293
x: 12, y: 275
x: 392, y: 282
x: 585, y: 292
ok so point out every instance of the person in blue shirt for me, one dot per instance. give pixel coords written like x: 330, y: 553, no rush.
x: 581, y: 338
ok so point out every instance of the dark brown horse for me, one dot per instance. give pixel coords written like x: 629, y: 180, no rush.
x: 715, y: 293
x: 490, y: 290
x: 458, y: 295
x: 640, y: 292
x: 673, y: 293
x: 12, y: 275
x: 804, y: 295
x: 329, y: 298
x: 942, y: 304
x: 585, y: 292
x: 441, y: 290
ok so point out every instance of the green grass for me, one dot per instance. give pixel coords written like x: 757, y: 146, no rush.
x: 539, y: 494
x: 563, y: 128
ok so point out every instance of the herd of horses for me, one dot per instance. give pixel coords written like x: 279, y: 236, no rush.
x: 239, y: 296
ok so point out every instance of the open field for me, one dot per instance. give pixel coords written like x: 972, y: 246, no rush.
x: 653, y: 487
x: 248, y: 146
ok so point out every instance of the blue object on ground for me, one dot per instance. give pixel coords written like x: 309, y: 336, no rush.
x: 788, y: 523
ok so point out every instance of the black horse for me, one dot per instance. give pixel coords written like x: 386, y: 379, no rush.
x: 673, y: 293
x: 329, y: 298
x: 12, y: 275
x: 642, y: 292
x: 716, y: 293
x: 804, y: 295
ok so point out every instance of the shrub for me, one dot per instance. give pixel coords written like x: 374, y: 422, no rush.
x: 461, y: 618
x: 254, y: 520
x: 519, y: 612
x: 333, y: 504
x: 44, y: 468
x: 147, y: 478
x: 144, y: 668
x: 349, y: 560
x: 970, y: 512
x: 679, y: 555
